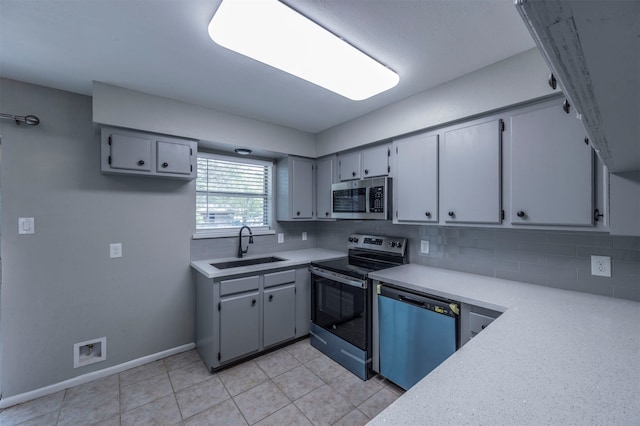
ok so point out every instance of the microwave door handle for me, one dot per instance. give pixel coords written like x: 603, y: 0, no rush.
x: 336, y: 277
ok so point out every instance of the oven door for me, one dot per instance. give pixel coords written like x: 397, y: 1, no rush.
x: 340, y: 305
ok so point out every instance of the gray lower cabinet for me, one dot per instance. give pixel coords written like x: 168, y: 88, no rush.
x: 240, y: 316
x: 239, y: 331
x: 279, y: 320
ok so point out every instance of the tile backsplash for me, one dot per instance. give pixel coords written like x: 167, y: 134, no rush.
x: 560, y: 259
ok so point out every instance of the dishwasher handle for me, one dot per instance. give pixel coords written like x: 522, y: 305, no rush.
x: 412, y: 301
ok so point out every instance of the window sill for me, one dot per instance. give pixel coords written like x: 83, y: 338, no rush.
x: 227, y: 233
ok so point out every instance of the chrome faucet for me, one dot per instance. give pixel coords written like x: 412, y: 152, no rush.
x: 240, y: 251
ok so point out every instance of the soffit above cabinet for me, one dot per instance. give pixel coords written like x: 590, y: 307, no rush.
x: 593, y: 48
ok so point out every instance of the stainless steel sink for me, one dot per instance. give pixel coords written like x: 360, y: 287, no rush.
x: 246, y: 262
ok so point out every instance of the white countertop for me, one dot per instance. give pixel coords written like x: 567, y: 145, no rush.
x: 293, y: 258
x: 554, y: 357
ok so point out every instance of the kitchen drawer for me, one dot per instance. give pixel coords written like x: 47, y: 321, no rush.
x: 277, y: 278
x: 478, y: 322
x: 239, y: 285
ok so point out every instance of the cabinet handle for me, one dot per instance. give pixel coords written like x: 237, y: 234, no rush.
x: 165, y: 165
x: 270, y: 297
x: 297, y: 213
x: 141, y: 163
x: 521, y: 214
x: 366, y: 171
x: 597, y: 215
x: 253, y: 302
x: 566, y: 106
x: 552, y: 81
x: 428, y: 214
x: 451, y: 214
x: 326, y: 213
x: 353, y: 174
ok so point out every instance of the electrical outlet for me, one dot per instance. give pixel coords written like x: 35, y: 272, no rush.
x: 304, y: 236
x: 280, y: 238
x: 424, y: 246
x: 115, y: 250
x: 601, y: 266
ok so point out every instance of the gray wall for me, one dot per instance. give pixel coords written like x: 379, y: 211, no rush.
x: 59, y: 286
x: 559, y: 259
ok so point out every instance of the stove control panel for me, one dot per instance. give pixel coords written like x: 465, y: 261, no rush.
x: 385, y: 244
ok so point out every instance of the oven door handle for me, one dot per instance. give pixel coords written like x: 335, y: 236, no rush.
x: 337, y: 277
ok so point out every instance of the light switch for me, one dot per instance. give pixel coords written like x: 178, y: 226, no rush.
x: 115, y: 250
x: 26, y: 225
x: 304, y: 236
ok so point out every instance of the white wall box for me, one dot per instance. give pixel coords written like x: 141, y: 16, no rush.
x: 367, y: 162
x: 326, y: 172
x: 471, y: 184
x: 415, y: 182
x: 295, y: 189
x: 137, y: 153
x: 240, y: 316
x: 89, y: 352
x: 551, y: 168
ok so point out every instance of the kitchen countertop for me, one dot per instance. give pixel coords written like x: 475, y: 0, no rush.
x: 554, y: 357
x: 293, y: 258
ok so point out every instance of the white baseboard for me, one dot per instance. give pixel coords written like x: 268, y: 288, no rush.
x: 85, y: 378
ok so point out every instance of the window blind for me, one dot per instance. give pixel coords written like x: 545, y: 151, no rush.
x: 232, y: 192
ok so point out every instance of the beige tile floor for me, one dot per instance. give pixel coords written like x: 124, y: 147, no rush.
x: 295, y: 385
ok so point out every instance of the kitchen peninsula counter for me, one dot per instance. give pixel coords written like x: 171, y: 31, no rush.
x: 554, y: 357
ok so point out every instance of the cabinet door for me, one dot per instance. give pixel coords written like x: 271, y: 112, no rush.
x: 325, y: 173
x: 239, y: 326
x: 551, y: 168
x: 279, y: 314
x: 302, y: 188
x: 471, y: 173
x: 174, y: 157
x: 130, y: 152
x: 415, y: 182
x: 375, y: 161
x: 349, y: 166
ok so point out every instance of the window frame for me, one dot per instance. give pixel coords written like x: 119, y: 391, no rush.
x: 232, y: 231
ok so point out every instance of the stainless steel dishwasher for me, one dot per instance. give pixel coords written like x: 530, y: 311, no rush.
x: 417, y: 333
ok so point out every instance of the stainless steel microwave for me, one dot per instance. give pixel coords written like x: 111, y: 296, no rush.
x: 362, y: 199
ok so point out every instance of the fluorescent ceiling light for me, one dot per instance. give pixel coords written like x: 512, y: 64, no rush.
x: 272, y: 33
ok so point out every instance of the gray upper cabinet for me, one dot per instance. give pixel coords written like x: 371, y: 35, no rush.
x: 349, y: 166
x: 375, y: 161
x: 471, y: 173
x: 365, y: 163
x: 295, y: 189
x: 552, y: 168
x: 415, y: 182
x: 325, y: 176
x: 143, y: 154
x: 173, y: 157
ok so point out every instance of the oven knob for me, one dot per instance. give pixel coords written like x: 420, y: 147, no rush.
x: 355, y: 240
x: 350, y: 239
x: 392, y: 243
x: 399, y: 244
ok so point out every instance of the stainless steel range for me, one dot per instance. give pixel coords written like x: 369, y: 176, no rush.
x: 341, y: 299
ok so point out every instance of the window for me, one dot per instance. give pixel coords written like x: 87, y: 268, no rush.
x: 232, y: 192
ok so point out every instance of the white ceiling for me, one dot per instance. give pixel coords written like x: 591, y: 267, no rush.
x: 161, y: 47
